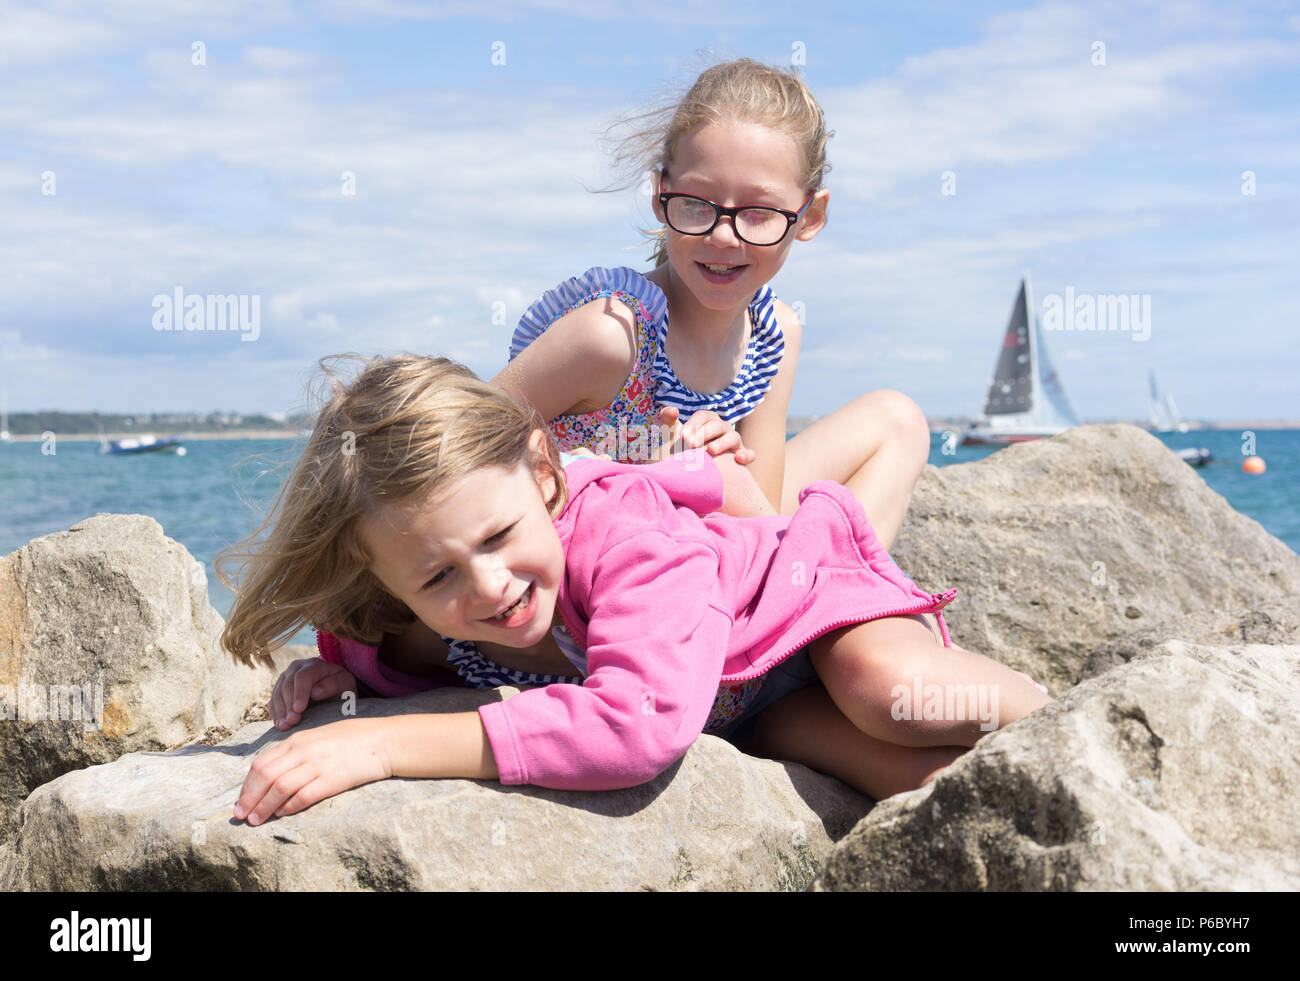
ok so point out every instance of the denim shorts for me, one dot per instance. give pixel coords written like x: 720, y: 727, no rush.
x: 792, y: 674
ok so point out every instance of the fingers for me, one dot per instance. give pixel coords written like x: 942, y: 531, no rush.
x: 708, y: 429
x: 309, y: 766
x: 303, y: 682
x: 272, y: 782
x: 705, y: 428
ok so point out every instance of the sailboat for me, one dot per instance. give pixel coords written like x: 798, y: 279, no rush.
x: 1026, y: 399
x: 1163, y: 412
x: 1165, y: 419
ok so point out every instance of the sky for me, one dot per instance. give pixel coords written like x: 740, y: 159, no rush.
x: 397, y: 176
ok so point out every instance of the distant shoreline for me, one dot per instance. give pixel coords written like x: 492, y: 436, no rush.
x: 795, y: 424
x: 95, y: 437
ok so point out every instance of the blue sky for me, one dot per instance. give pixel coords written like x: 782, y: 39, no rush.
x: 471, y: 188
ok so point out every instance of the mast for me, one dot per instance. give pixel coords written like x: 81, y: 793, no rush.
x: 1031, y: 327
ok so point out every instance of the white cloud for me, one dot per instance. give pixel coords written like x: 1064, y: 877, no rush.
x: 1026, y: 92
x: 34, y: 36
x: 923, y: 355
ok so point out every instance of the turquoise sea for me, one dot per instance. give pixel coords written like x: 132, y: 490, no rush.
x: 211, y: 497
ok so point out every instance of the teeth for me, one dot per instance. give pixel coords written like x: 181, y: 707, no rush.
x: 518, y: 605
x: 718, y: 269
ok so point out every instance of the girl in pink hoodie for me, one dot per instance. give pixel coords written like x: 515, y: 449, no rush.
x: 427, y: 499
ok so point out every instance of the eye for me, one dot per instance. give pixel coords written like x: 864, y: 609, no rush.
x: 498, y: 539
x: 436, y: 580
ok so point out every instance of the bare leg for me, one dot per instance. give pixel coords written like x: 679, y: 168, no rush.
x: 894, y: 682
x: 876, y: 446
x: 807, y: 727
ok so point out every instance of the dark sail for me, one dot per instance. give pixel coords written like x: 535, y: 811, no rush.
x: 1012, y: 388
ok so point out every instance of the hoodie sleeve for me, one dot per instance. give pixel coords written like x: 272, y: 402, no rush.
x: 655, y: 650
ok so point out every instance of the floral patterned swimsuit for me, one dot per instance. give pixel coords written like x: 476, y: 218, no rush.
x: 627, y: 430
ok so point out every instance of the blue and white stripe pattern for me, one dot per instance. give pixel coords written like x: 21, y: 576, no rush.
x: 747, y: 390
x: 737, y: 400
x: 480, y: 672
x: 573, y: 292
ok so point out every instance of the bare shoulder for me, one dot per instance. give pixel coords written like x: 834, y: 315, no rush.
x: 788, y: 321
x: 579, y: 363
x: 603, y: 328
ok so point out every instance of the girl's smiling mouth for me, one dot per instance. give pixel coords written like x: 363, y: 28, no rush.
x: 720, y: 272
x: 518, y: 613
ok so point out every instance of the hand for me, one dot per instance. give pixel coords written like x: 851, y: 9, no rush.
x: 705, y: 428
x: 311, y: 765
x: 307, y: 680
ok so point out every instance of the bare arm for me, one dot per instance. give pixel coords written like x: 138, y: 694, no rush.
x: 763, y: 430
x: 445, y: 745
x: 314, y: 764
x: 578, y: 364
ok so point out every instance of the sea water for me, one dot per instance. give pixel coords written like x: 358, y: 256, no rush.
x: 220, y: 490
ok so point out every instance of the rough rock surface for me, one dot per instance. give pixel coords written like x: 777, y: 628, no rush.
x: 1090, y: 542
x: 715, y: 820
x: 1097, y: 562
x: 110, y: 623
x: 1176, y: 771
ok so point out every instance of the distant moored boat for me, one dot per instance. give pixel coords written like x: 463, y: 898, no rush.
x: 143, y: 444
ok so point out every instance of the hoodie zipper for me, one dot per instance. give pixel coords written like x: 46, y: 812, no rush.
x: 936, y: 603
x: 942, y: 599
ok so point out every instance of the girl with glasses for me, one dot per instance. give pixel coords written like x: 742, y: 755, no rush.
x: 735, y: 172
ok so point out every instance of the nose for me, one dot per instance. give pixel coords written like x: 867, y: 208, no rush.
x: 488, y: 581
x: 730, y: 239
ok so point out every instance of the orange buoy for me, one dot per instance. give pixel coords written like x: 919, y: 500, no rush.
x: 1253, y: 464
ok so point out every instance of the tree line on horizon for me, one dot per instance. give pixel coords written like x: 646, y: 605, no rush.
x: 35, y: 423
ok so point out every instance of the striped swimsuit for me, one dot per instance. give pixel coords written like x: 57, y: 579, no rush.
x: 625, y: 428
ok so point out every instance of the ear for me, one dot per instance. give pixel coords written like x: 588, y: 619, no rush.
x: 541, y: 465
x: 814, y: 219
x: 655, y: 191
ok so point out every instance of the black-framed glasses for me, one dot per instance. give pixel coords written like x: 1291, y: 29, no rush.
x: 753, y: 224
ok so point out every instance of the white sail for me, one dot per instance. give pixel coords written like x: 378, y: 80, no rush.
x: 1163, y: 410
x: 1155, y: 407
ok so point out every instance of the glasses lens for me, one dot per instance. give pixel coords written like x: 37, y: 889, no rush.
x: 761, y: 226
x: 690, y: 215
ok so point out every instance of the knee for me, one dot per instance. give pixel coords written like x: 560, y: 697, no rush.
x: 907, y: 422
x: 905, y: 425
x: 872, y: 673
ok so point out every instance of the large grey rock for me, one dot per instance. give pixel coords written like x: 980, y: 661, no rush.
x: 716, y: 820
x: 109, y: 623
x: 1175, y: 771
x: 1091, y: 541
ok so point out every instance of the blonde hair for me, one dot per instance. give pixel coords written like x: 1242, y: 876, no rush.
x: 402, y: 429
x: 735, y: 91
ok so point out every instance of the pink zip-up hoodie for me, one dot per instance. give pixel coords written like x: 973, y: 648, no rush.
x: 671, y: 599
